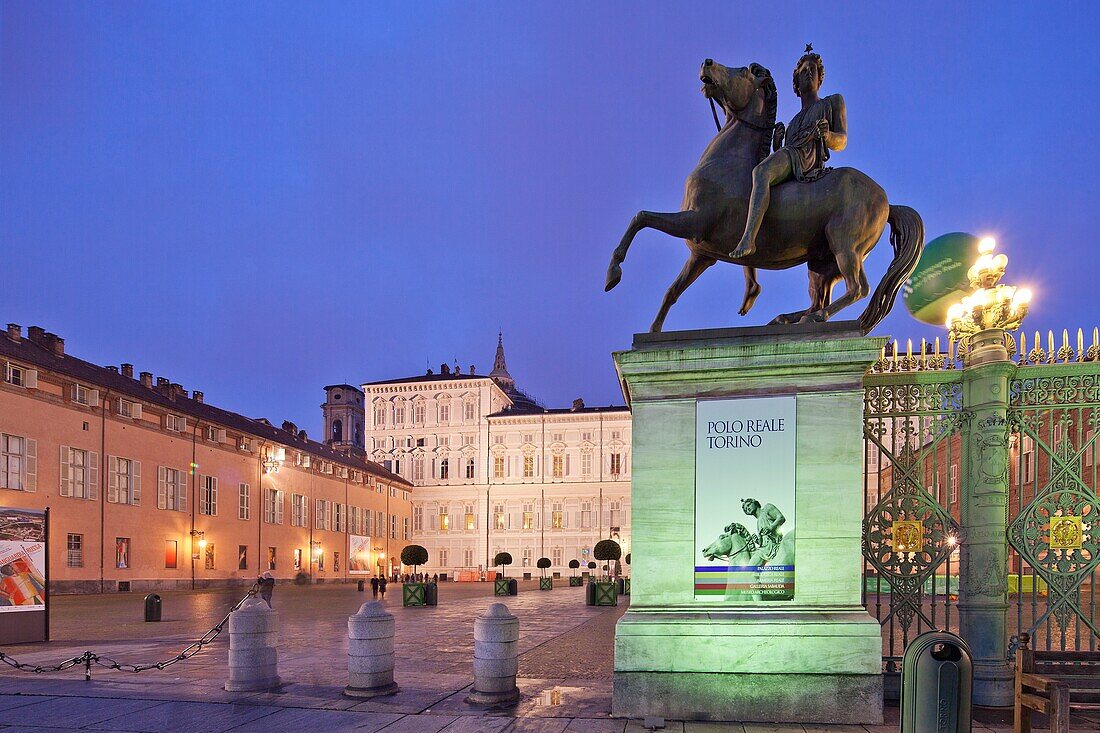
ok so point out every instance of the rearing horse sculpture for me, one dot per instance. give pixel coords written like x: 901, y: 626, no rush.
x: 830, y: 224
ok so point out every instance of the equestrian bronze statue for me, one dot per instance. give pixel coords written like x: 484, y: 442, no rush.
x: 761, y: 197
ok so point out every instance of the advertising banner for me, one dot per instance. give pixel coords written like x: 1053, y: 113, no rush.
x: 359, y: 555
x: 22, y: 560
x: 744, y: 499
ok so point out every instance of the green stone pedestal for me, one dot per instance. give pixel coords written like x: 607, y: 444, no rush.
x: 816, y: 658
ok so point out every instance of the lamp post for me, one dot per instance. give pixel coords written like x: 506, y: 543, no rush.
x: 979, y: 324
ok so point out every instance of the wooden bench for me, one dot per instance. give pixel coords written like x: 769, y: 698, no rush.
x: 1052, y: 683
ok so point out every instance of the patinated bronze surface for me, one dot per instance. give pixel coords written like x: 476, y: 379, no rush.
x: 829, y: 222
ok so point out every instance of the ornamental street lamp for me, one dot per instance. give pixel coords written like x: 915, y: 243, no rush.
x: 991, y: 305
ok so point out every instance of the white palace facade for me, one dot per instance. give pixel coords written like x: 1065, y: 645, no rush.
x: 494, y: 471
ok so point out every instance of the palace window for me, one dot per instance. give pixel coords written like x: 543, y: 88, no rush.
x: 470, y: 468
x: 418, y: 469
x: 208, y: 495
x: 499, y: 519
x: 171, y: 489
x: 557, y: 517
x: 444, y: 412
x: 558, y: 466
x: 616, y: 464
x: 74, y: 551
x: 529, y: 438
x: 405, y: 525
x: 469, y: 412
x: 273, y: 506
x: 555, y: 556
x: 471, y: 517
x: 443, y: 557
x: 586, y: 515
x: 244, y: 502
x: 339, y: 517
x: 586, y: 463
x: 124, y: 481
x: 418, y: 519
x: 444, y: 469
x: 79, y: 473
x: 380, y: 415
x: 498, y: 466
x: 1027, y: 459
x: 528, y: 515
x: 527, y: 555
x: 616, y: 513
x: 418, y: 412
x: 399, y: 414
x: 18, y: 463
x: 528, y: 466
x: 444, y: 519
x: 468, y: 558
x: 299, y: 516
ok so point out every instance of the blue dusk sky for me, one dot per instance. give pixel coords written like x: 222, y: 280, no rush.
x: 259, y: 199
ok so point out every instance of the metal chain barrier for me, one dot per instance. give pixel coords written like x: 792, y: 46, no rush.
x: 89, y: 658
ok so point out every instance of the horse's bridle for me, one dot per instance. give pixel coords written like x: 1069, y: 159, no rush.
x: 739, y: 118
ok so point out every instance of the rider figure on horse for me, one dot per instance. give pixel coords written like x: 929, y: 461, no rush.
x: 768, y: 521
x: 800, y: 150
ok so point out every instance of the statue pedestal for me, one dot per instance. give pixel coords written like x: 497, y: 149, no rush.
x: 683, y: 655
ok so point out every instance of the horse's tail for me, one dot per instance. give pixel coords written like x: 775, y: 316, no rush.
x: 907, y: 239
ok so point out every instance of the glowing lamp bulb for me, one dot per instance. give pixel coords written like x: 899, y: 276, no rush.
x: 202, y: 544
x: 1022, y: 296
x: 986, y: 245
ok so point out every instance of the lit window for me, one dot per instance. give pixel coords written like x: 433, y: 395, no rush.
x: 558, y: 465
x: 444, y: 519
x: 528, y: 466
x: 498, y: 466
x: 471, y: 521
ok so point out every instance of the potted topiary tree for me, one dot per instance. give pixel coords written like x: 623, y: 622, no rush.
x: 574, y: 579
x: 414, y: 593
x: 544, y: 583
x: 503, y: 586
x: 606, y: 593
x: 625, y: 582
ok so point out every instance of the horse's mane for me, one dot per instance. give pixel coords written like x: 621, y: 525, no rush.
x: 771, y: 104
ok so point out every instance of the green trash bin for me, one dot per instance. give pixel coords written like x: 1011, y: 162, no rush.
x: 937, y: 678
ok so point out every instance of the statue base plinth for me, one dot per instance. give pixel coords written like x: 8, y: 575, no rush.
x: 814, y: 659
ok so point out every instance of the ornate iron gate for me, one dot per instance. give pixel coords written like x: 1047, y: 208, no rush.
x: 918, y: 429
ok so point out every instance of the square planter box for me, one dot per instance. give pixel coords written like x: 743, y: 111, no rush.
x: 576, y: 581
x: 546, y: 584
x: 504, y: 587
x: 413, y: 594
x: 606, y: 594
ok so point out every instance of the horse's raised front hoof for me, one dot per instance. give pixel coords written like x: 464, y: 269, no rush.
x: 614, y: 275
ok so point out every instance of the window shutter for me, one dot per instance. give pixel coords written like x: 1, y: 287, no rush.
x: 137, y: 411
x: 112, y: 479
x: 93, y: 476
x: 577, y: 518
x: 204, y: 505
x: 135, y: 482
x: 66, y: 481
x: 30, y: 466
x: 435, y: 521
x: 221, y: 435
x: 93, y: 398
x: 181, y: 488
x: 118, y: 405
x: 319, y: 516
x: 328, y: 515
x: 566, y: 464
x: 72, y: 392
x: 162, y: 487
x: 564, y: 520
x: 31, y: 379
x: 279, y: 507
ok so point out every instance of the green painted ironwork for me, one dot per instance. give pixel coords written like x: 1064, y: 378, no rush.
x: 546, y: 584
x: 500, y: 587
x: 413, y: 594
x: 576, y: 581
x: 1054, y: 416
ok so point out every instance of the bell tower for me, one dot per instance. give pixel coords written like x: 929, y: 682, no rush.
x: 345, y: 417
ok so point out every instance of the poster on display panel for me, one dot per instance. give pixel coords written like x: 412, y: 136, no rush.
x: 745, y: 499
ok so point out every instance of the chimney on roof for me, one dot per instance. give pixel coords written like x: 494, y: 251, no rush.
x: 578, y: 404
x: 128, y: 370
x: 197, y: 396
x: 473, y: 370
x: 146, y: 379
x: 176, y: 390
x: 458, y: 369
x: 35, y: 334
x: 162, y: 382
x: 302, y: 435
x: 290, y: 427
x: 444, y: 369
x: 55, y: 343
x: 430, y: 372
x: 15, y: 331
x: 113, y: 369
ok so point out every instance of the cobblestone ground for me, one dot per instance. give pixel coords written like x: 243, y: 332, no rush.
x: 566, y: 659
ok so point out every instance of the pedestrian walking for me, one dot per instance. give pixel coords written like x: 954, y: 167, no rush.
x: 374, y: 587
x: 382, y: 587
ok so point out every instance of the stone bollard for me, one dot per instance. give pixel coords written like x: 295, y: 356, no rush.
x: 496, y: 657
x: 253, y: 647
x: 370, y: 652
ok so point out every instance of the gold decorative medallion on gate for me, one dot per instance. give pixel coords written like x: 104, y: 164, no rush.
x: 908, y: 535
x: 1066, y: 533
